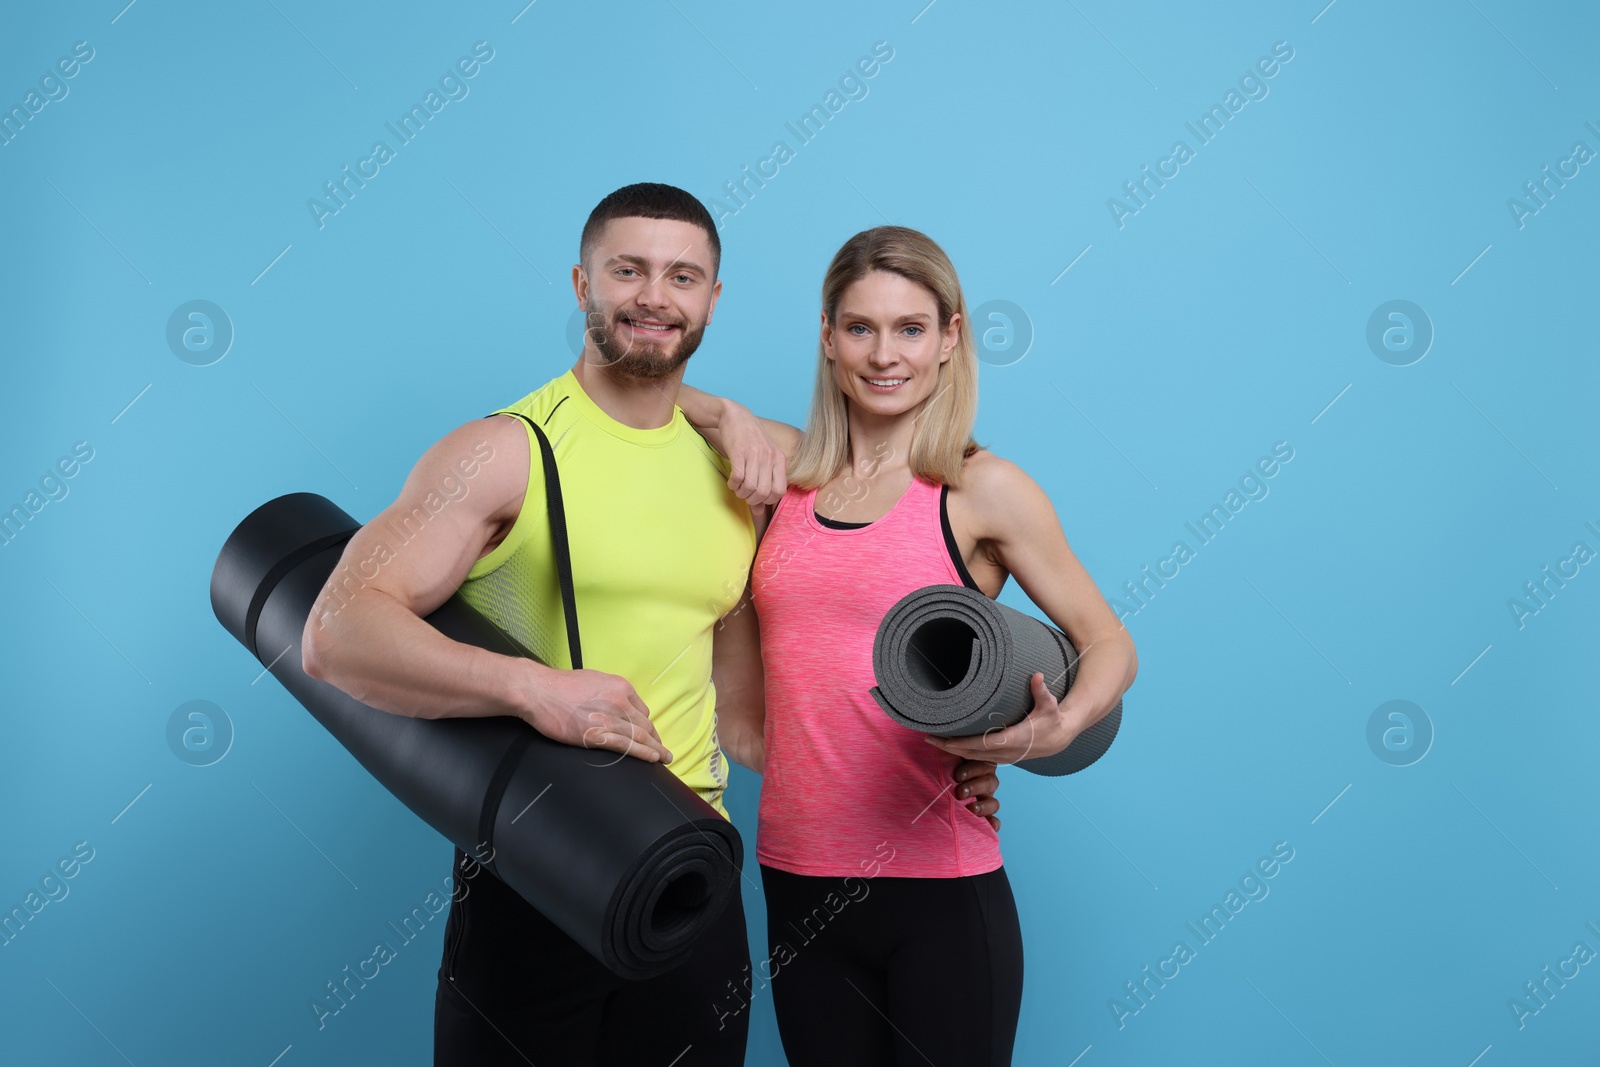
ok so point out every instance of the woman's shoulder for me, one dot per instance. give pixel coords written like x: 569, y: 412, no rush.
x: 996, y: 492
x: 991, y: 478
x: 786, y: 437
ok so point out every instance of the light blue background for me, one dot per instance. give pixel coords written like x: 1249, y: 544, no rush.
x: 1227, y: 315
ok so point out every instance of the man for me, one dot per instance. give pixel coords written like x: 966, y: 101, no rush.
x: 661, y: 551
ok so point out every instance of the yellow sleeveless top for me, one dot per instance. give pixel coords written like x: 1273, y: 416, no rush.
x: 660, y: 551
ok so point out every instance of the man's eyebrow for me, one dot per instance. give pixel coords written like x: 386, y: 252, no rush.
x: 644, y: 264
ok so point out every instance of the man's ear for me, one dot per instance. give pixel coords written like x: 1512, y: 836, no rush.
x: 716, y: 291
x: 580, y: 285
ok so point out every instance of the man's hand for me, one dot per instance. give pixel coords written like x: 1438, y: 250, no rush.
x: 592, y: 709
x: 760, y: 469
x: 1046, y: 730
x: 979, y: 778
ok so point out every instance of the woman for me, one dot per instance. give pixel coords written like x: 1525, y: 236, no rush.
x: 887, y: 493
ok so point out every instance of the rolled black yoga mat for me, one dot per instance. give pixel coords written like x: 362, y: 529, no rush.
x: 951, y: 662
x: 617, y: 852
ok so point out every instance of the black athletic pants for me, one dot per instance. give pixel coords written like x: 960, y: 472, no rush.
x: 515, y: 990
x: 905, y: 971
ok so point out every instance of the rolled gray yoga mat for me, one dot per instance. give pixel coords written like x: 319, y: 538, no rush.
x: 619, y: 853
x: 953, y: 663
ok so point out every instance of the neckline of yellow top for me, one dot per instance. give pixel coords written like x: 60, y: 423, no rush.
x: 654, y: 437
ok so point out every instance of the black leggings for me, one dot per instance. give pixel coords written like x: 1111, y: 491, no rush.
x: 515, y: 990
x: 894, y: 970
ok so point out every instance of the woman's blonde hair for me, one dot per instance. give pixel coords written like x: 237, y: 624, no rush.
x: 943, y: 435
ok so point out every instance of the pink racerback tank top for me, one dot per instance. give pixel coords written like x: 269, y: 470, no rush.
x: 841, y: 777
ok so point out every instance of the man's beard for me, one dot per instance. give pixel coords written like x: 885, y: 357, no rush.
x: 637, y: 359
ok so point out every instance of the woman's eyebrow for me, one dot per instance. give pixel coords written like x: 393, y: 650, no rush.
x: 918, y: 316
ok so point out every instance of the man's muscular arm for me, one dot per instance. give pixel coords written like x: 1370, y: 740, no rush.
x: 366, y: 633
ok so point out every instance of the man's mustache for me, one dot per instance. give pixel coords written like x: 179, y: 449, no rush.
x: 600, y: 330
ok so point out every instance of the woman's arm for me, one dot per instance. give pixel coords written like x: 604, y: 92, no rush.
x: 1015, y: 518
x: 759, y: 449
x: 737, y: 674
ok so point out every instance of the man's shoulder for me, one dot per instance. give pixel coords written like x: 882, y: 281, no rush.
x: 720, y: 463
x: 544, y: 401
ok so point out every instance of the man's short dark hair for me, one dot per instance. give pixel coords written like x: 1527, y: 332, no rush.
x: 649, y: 200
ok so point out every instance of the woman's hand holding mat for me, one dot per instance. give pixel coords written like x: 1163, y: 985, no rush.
x: 1049, y: 727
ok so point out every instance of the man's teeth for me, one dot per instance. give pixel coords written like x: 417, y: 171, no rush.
x: 886, y: 381
x: 651, y: 325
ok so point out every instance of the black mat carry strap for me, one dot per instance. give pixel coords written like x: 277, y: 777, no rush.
x: 276, y: 574
x: 569, y: 606
x: 558, y: 537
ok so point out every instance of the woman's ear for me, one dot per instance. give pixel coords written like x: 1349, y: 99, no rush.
x: 827, y: 336
x: 952, y: 336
